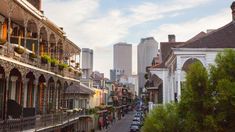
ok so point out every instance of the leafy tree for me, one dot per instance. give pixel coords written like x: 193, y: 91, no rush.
x: 196, y: 105
x: 222, y: 78
x: 207, y: 103
x: 162, y: 119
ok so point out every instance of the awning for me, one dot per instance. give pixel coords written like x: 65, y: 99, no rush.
x: 79, y: 89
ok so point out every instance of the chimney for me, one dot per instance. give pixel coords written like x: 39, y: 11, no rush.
x: 233, y: 10
x: 171, y: 38
x: 36, y: 3
x: 39, y: 5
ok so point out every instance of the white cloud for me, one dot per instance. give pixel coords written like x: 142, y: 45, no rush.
x: 88, y: 27
x: 186, y: 30
x: 151, y: 11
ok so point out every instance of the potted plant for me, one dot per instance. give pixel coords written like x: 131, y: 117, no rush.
x: 45, y: 59
x: 2, y: 41
x: 54, y: 62
x: 62, y: 66
x: 79, y: 74
x: 72, y: 61
x: 70, y: 69
x: 19, y: 50
x: 77, y: 65
x: 32, y: 56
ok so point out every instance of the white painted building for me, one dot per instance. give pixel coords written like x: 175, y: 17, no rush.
x: 176, y: 58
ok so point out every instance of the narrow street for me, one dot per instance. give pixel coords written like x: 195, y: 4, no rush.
x: 123, y: 125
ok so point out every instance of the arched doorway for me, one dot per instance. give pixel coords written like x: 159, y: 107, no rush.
x: 64, y: 99
x: 43, y: 48
x: 41, y: 95
x: 59, y: 94
x: 15, y: 90
x: 60, y: 50
x: 32, y: 36
x: 30, y: 91
x: 52, y: 42
x: 51, y: 95
x: 2, y: 92
x: 189, y: 62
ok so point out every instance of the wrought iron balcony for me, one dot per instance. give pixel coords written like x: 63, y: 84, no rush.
x: 27, y: 58
x: 40, y: 122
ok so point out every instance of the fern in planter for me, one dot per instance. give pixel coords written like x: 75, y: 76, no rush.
x: 62, y: 66
x: 32, y: 56
x: 45, y: 59
x: 54, y: 62
x: 19, y: 50
x: 2, y: 41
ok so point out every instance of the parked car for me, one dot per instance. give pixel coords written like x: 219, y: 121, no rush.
x: 134, y: 128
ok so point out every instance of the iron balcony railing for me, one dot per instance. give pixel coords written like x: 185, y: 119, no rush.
x: 40, y: 122
x: 8, y: 51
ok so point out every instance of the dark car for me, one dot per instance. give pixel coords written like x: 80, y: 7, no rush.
x: 134, y: 128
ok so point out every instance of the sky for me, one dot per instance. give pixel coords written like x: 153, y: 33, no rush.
x: 99, y: 24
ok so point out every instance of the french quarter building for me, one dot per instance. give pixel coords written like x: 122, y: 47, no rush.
x: 37, y: 63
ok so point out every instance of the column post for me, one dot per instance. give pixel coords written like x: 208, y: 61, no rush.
x: 13, y: 87
x: 178, y: 84
x: 26, y: 81
x: 36, y: 83
x: 6, y: 95
x: 25, y: 33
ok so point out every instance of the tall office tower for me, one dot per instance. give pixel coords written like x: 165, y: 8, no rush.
x: 147, y: 49
x: 87, y: 62
x: 122, y: 57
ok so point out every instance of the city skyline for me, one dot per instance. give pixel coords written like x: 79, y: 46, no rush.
x: 130, y: 21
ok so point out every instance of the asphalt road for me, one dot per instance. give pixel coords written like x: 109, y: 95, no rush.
x: 123, y: 125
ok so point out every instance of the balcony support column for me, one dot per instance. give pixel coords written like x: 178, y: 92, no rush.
x: 9, y: 12
x: 26, y: 81
x: 36, y: 82
x: 6, y: 95
x: 8, y: 32
x: 38, y: 46
x: 25, y: 32
x: 56, y: 51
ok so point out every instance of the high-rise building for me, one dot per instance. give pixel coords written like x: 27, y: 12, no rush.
x: 87, y: 62
x: 116, y: 74
x: 122, y: 57
x: 147, y: 49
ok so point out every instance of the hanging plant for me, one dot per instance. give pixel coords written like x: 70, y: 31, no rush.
x: 19, y: 50
x: 45, y: 59
x: 62, y: 66
x: 66, y: 58
x: 54, y: 62
x: 72, y: 61
x: 79, y: 74
x: 32, y: 56
x: 2, y: 41
x: 70, y: 69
